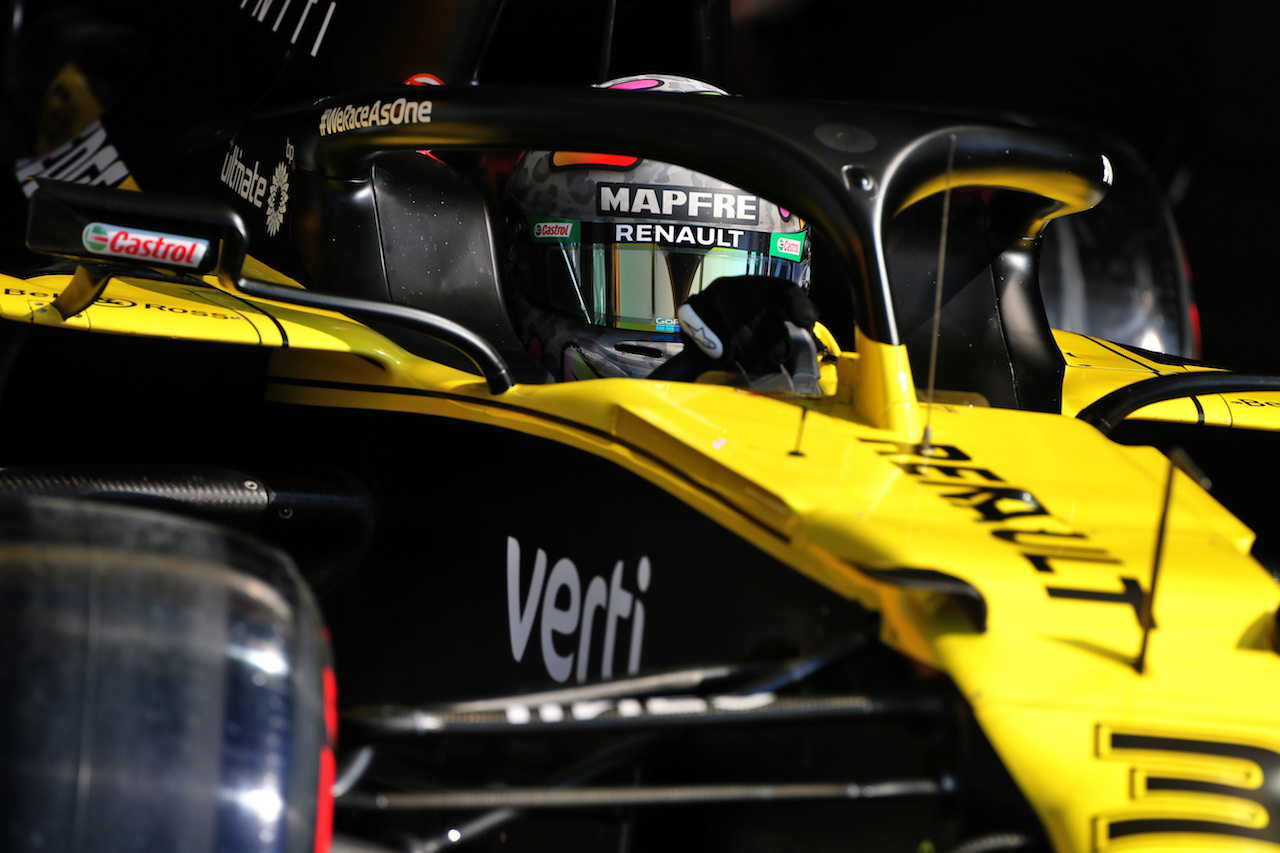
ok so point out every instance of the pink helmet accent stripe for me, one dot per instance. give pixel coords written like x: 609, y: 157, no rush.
x: 637, y: 84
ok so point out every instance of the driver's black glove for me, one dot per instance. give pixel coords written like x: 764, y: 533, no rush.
x: 739, y: 323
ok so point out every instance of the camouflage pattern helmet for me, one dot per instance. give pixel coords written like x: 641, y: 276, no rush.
x: 608, y: 246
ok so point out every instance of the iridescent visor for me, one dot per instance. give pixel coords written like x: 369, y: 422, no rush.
x: 635, y: 275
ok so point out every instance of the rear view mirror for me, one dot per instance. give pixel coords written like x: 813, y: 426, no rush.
x: 120, y: 232
x: 187, y: 236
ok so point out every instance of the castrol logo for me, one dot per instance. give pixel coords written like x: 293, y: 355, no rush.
x: 544, y: 230
x: 115, y: 241
x: 789, y: 246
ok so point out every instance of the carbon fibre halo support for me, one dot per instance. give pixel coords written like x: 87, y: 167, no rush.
x: 729, y: 138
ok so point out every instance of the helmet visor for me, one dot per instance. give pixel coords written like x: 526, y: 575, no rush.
x: 630, y: 284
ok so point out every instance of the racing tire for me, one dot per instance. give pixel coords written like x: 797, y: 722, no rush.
x: 162, y: 686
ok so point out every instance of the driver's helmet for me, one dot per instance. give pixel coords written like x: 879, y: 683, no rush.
x: 605, y: 248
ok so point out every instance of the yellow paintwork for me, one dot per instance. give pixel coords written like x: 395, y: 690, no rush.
x: 1070, y: 519
x: 1072, y: 193
x: 1095, y: 368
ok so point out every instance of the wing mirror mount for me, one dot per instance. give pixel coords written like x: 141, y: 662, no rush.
x: 112, y: 231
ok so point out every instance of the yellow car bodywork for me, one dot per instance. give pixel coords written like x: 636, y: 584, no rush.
x: 1014, y: 551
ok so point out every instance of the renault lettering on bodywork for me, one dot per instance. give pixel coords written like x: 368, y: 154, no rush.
x: 116, y: 241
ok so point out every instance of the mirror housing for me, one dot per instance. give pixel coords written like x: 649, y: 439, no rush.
x: 113, y: 232
x: 97, y: 225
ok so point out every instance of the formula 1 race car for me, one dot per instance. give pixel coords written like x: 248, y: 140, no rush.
x: 629, y: 467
